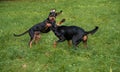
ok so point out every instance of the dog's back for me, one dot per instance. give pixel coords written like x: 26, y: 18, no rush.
x: 70, y: 31
x: 41, y: 27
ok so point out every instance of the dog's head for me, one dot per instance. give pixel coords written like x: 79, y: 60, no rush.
x: 53, y: 14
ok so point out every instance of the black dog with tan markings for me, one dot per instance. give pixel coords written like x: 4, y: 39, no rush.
x: 74, y: 33
x: 42, y: 27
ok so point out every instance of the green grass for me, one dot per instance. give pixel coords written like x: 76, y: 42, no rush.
x: 102, y: 55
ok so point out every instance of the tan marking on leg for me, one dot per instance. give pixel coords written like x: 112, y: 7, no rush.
x: 31, y: 41
x: 69, y: 43
x: 59, y: 23
x: 55, y: 44
x: 36, y: 37
x: 85, y: 41
x: 30, y: 44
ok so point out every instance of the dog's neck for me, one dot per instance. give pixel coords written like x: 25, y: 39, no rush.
x: 50, y: 20
x: 54, y: 27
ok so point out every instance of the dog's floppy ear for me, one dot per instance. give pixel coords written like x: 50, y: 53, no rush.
x: 63, y: 20
x: 53, y: 10
x: 58, y: 13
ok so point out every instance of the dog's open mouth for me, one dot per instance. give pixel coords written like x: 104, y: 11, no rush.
x: 53, y: 19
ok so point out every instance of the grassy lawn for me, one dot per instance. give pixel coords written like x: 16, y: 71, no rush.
x: 102, y: 55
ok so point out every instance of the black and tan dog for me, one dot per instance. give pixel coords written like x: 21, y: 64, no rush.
x: 42, y: 27
x: 74, y: 33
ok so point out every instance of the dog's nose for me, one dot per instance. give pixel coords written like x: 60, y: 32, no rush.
x: 53, y: 18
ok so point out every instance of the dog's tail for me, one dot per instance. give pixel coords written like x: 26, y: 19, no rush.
x: 20, y: 34
x: 92, y: 31
x: 63, y: 20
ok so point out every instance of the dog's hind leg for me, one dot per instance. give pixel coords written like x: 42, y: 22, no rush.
x: 75, y: 43
x: 85, y: 40
x: 30, y: 42
x: 31, y: 33
x: 76, y: 40
x: 69, y: 43
x: 37, y: 37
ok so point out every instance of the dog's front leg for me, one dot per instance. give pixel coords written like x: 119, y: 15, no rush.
x: 55, y: 43
x: 58, y: 13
